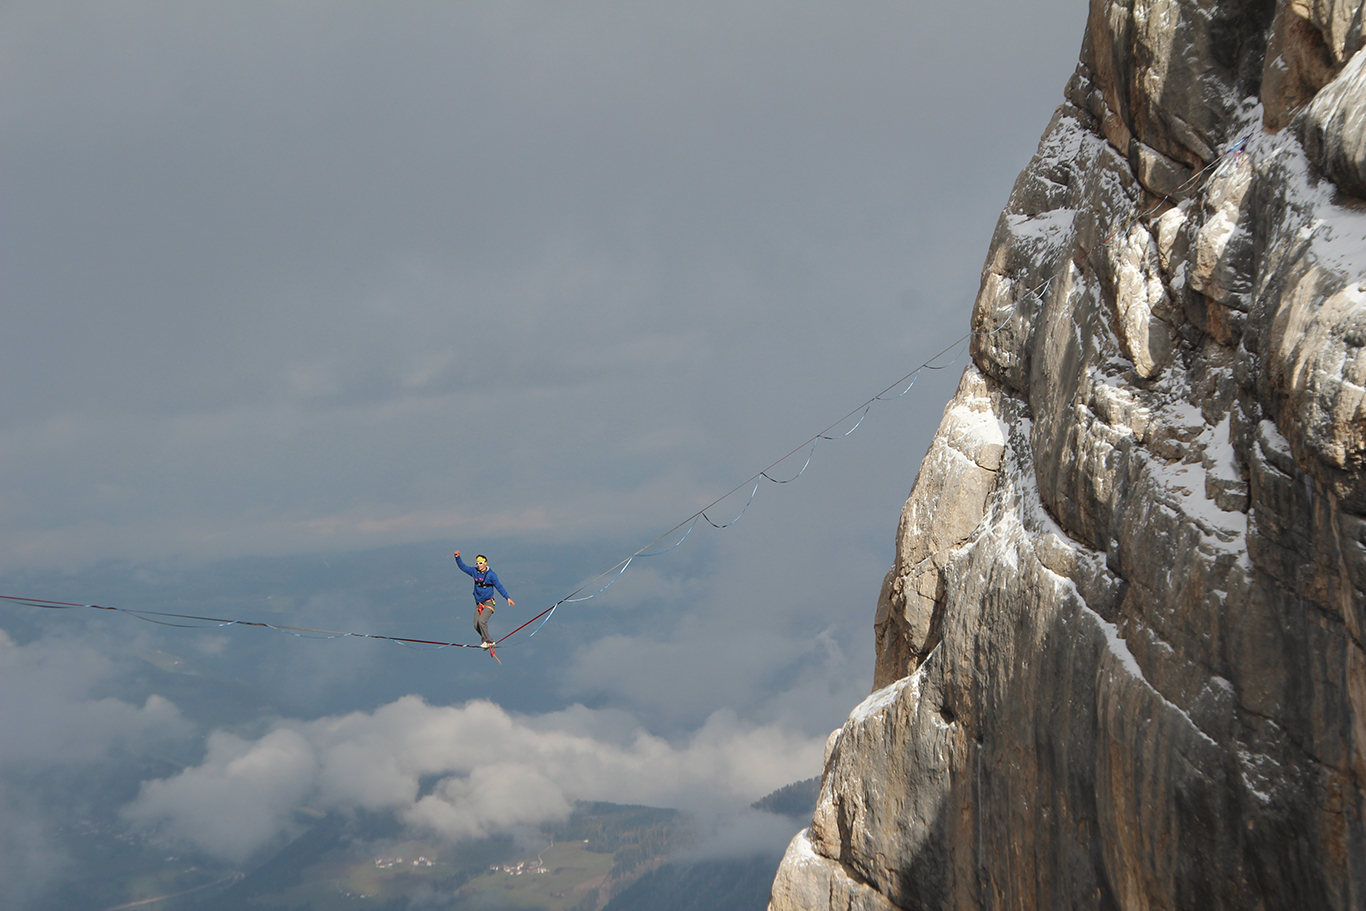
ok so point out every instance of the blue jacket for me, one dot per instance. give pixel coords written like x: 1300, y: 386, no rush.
x: 484, y: 583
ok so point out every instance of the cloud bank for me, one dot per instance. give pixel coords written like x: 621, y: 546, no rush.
x: 55, y: 717
x: 49, y: 712
x: 460, y: 771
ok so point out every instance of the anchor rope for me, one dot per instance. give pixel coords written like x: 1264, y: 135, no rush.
x: 1236, y: 152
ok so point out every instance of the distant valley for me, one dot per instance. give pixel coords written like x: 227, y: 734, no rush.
x: 604, y: 856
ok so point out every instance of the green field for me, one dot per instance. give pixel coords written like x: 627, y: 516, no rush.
x: 342, y: 880
x: 571, y: 874
x: 565, y: 875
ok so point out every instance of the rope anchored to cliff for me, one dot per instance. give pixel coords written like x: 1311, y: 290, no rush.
x: 753, y: 482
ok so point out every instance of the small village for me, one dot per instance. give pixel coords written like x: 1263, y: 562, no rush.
x: 385, y: 862
x: 517, y: 869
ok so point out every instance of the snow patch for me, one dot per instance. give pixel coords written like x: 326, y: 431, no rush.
x: 1120, y: 649
x: 1274, y: 440
x: 1182, y: 413
x: 1061, y: 146
x: 974, y: 425
x: 1220, y: 531
x: 1047, y: 226
x: 1337, y: 234
x: 801, y: 851
x: 1260, y: 774
x: 1220, y: 453
x: 1340, y: 239
x: 888, y: 695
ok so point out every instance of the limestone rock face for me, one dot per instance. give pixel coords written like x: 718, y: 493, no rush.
x: 1310, y: 42
x: 1120, y: 652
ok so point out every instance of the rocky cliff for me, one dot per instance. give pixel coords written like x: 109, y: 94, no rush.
x: 1120, y: 652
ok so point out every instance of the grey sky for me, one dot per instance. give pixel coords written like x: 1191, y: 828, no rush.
x: 290, y: 278
x: 315, y: 278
